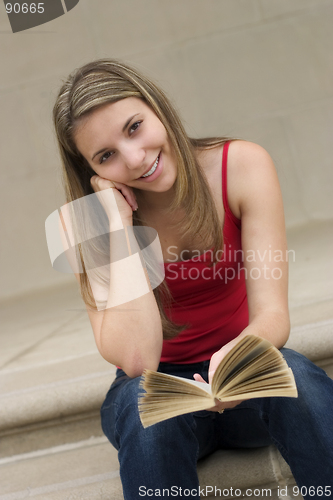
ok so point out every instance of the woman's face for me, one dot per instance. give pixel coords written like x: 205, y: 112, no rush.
x: 124, y: 141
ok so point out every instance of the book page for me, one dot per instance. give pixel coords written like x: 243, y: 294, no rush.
x: 240, y: 355
x: 173, y: 384
x: 168, y: 396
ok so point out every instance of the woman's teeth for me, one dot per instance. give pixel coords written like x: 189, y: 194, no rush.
x: 153, y: 168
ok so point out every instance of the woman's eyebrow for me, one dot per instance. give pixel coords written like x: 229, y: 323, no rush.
x: 123, y: 129
x: 129, y: 121
x: 98, y: 152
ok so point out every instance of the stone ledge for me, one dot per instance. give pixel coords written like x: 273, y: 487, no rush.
x: 85, y: 393
x: 89, y: 470
x: 313, y: 340
x: 259, y: 466
x: 49, y: 402
x: 49, y: 434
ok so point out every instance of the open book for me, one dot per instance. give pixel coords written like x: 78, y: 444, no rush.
x: 253, y: 368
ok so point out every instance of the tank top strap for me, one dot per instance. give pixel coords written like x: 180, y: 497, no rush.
x: 224, y: 184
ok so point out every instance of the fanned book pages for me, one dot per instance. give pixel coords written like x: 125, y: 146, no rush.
x: 253, y: 368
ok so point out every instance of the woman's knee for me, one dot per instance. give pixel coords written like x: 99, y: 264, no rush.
x: 122, y: 397
x: 129, y: 392
x: 122, y: 425
x: 130, y: 432
x: 312, y: 382
x: 304, y: 370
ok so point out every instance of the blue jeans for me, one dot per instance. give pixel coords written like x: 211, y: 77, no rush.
x: 166, y: 454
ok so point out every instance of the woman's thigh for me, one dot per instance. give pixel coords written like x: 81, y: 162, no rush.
x: 239, y: 427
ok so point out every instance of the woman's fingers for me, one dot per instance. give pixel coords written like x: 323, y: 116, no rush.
x: 223, y: 405
x: 99, y: 184
x: 128, y: 194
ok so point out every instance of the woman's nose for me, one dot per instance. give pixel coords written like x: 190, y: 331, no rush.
x: 134, y: 158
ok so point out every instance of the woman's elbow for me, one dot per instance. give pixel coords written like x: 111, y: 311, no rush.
x: 135, y: 364
x: 132, y: 363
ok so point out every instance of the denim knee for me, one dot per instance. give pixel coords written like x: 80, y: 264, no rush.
x: 308, y: 376
x: 123, y: 392
x: 315, y: 388
x: 127, y: 409
x: 122, y: 425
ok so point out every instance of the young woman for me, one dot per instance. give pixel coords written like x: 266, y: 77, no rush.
x: 217, y: 207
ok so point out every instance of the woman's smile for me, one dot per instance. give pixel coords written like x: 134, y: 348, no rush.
x: 154, y: 171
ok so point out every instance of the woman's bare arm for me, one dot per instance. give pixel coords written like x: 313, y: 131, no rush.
x: 263, y: 235
x: 129, y: 334
x: 254, y: 196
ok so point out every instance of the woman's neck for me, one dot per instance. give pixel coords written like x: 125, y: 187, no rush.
x: 149, y: 201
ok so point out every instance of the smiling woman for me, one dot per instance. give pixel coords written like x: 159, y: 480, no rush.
x: 113, y: 122
x: 212, y: 201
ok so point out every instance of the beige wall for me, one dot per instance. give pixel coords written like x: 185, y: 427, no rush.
x: 257, y: 69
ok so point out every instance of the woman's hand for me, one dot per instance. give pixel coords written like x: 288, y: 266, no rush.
x: 214, y: 362
x: 124, y: 196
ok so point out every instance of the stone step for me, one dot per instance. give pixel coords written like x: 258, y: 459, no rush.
x: 89, y: 470
x: 67, y: 388
x: 66, y: 456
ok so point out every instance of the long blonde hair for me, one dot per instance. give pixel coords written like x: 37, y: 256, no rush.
x: 106, y: 81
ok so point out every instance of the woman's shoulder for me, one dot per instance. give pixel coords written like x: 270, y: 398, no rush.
x: 248, y: 165
x: 241, y: 154
x: 251, y: 172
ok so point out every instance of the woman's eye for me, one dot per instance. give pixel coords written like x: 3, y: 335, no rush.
x: 134, y: 127
x: 104, y: 157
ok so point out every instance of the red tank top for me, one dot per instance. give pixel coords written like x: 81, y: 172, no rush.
x: 212, y: 300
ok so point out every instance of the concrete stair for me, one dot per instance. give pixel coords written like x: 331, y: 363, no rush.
x: 53, y: 380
